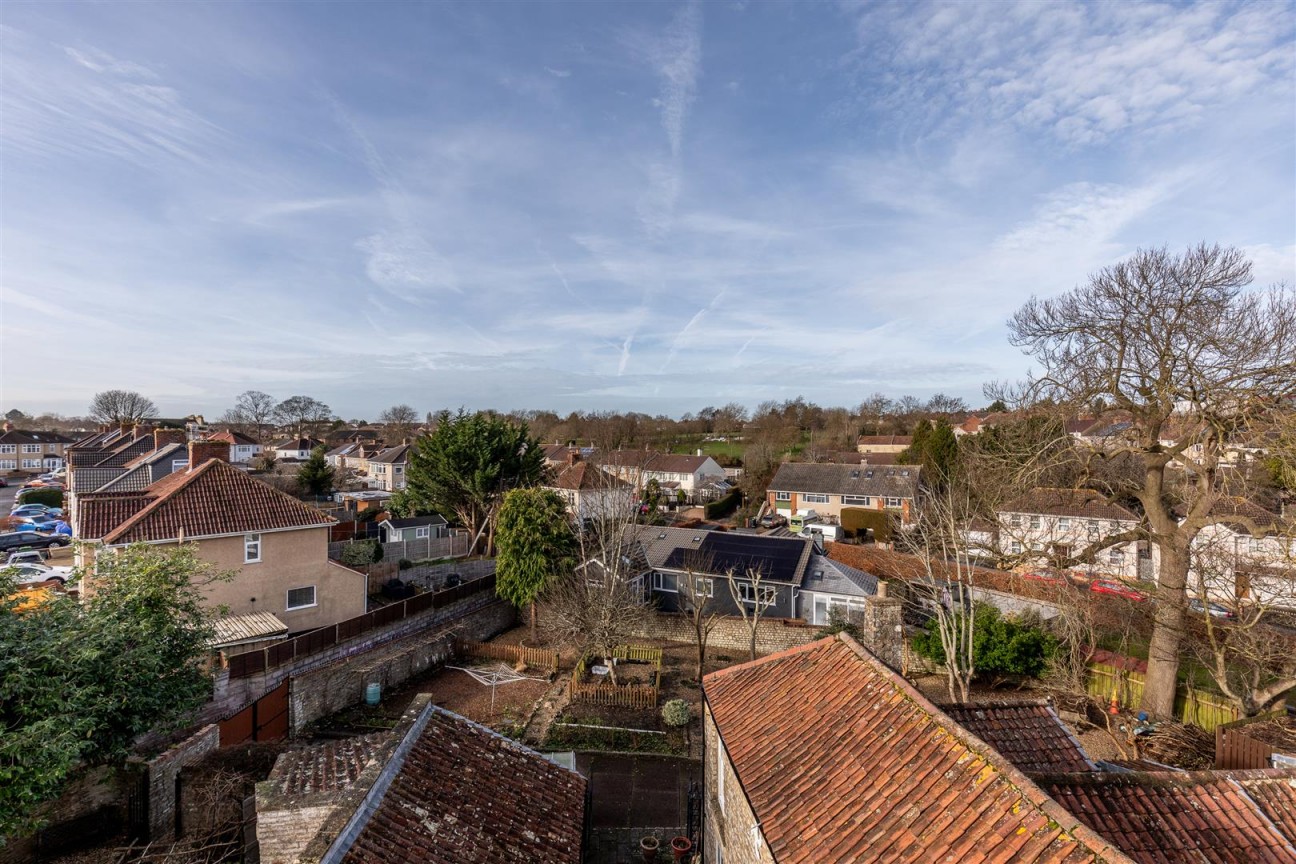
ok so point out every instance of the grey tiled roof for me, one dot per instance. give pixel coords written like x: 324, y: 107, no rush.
x: 889, y: 481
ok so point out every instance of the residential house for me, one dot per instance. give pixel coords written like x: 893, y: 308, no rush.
x: 352, y: 455
x: 101, y: 458
x: 674, y: 472
x: 276, y: 546
x: 883, y: 443
x: 243, y: 448
x: 437, y: 788
x: 591, y: 493
x: 876, y: 772
x: 430, y: 527
x: 386, y: 468
x: 831, y: 488
x: 1249, y: 555
x: 1048, y: 525
x: 30, y: 451
x: 295, y: 448
x: 796, y: 580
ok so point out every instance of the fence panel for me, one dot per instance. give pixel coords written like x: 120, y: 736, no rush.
x: 1204, y: 709
x: 247, y: 664
x: 418, y: 603
x: 540, y: 658
x: 282, y: 652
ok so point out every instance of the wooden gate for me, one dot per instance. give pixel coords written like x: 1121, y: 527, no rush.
x: 266, y: 719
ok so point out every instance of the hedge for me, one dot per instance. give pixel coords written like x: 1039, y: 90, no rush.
x: 48, y: 497
x: 723, y: 506
x: 855, y: 521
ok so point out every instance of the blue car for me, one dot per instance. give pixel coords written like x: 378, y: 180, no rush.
x: 35, y: 510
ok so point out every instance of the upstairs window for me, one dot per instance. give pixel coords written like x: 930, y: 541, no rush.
x: 251, y: 548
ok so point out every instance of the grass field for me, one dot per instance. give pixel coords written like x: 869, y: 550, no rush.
x: 732, y: 449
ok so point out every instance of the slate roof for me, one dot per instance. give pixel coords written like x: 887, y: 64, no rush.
x: 24, y: 436
x: 827, y: 576
x: 1079, y: 503
x: 466, y: 795
x: 418, y: 521
x: 214, y: 498
x: 891, y: 481
x: 297, y: 444
x: 783, y: 559
x: 392, y: 455
x: 1203, y: 817
x: 583, y: 476
x: 652, y: 461
x: 875, y: 772
x: 1027, y: 734
x: 885, y: 440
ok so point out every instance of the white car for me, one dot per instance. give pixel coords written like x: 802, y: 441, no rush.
x: 29, y: 573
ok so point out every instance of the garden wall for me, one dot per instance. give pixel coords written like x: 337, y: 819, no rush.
x: 774, y: 634
x: 92, y: 805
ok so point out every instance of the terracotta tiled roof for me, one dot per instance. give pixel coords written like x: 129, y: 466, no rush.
x: 1080, y: 503
x: 1028, y: 734
x: 214, y: 498
x: 885, y: 440
x: 467, y: 795
x: 1206, y: 817
x: 584, y: 476
x: 875, y: 772
x: 231, y: 436
x: 891, y: 481
x: 97, y: 514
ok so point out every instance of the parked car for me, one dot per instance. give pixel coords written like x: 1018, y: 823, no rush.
x: 34, y: 509
x: 28, y: 556
x: 1216, y: 610
x: 3, y: 482
x: 772, y: 520
x: 42, y: 484
x: 25, y: 574
x: 38, y: 521
x: 1117, y: 589
x: 14, y: 540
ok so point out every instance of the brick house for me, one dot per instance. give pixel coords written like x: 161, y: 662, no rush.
x: 276, y: 545
x: 831, y: 488
x: 243, y: 448
x: 437, y: 788
x: 883, y: 443
x: 29, y: 451
x: 674, y: 472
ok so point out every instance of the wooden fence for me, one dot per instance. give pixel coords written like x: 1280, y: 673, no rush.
x: 1235, y: 750
x: 279, y: 653
x: 625, y: 695
x: 537, y: 658
x: 1200, y: 707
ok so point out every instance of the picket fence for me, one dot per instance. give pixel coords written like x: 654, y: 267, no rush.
x: 537, y: 658
x: 624, y: 695
x: 1200, y: 707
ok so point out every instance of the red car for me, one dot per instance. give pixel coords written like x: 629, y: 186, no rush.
x: 1118, y: 589
x: 1042, y: 576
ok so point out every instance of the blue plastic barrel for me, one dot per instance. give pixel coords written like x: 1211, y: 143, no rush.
x: 373, y: 693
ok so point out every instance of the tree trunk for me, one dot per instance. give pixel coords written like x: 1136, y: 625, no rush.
x: 753, y: 639
x: 534, y: 627
x: 1167, y: 634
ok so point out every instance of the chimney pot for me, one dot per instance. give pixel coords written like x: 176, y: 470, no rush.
x: 881, y: 589
x: 163, y: 437
x: 205, y: 451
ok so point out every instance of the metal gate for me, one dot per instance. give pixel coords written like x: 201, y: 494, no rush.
x: 266, y: 719
x: 137, y: 805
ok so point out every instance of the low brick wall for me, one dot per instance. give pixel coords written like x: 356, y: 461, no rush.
x: 93, y: 804
x: 432, y: 577
x: 162, y: 771
x: 340, y: 685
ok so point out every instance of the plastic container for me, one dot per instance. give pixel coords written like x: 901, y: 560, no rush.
x: 373, y: 693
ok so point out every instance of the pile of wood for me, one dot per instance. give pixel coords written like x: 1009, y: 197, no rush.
x: 1180, y: 745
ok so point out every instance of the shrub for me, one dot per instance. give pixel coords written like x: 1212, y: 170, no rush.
x: 1001, y: 647
x: 362, y: 553
x: 48, y: 497
x: 723, y: 506
x: 404, y: 564
x: 676, y: 713
x: 838, y: 622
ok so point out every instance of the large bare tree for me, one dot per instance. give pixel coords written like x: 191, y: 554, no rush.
x: 697, y: 599
x: 302, y: 413
x: 753, y: 597
x: 121, y: 406
x: 1173, y: 342
x: 399, y: 421
x: 253, y: 411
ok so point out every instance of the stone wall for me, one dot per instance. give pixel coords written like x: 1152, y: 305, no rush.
x: 432, y: 577
x: 231, y: 696
x: 772, y: 634
x: 882, y: 630
x: 162, y: 772
x: 340, y: 685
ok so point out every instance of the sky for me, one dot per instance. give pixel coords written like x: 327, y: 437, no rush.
x: 587, y: 206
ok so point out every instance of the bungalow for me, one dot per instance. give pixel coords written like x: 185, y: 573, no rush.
x: 276, y: 546
x: 243, y: 448
x: 829, y: 489
x: 296, y: 448
x: 590, y: 492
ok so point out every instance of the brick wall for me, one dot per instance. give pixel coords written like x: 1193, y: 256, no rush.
x: 433, y: 576
x: 93, y: 805
x: 162, y: 771
x: 340, y: 685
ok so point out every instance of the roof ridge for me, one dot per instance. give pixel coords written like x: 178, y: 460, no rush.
x: 159, y: 498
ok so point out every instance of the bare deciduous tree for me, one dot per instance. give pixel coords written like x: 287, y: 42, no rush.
x: 697, y: 599
x: 1171, y: 341
x: 302, y: 413
x: 121, y: 406
x: 752, y: 597
x: 399, y: 421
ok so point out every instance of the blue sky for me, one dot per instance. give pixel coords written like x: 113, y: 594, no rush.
x: 653, y: 206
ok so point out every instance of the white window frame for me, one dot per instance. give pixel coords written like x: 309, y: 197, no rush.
x: 422, y: 532
x: 659, y: 582
x: 1064, y: 523
x: 31, y: 448
x: 8, y: 448
x: 31, y: 463
x: 8, y: 464
x: 1115, y: 555
x: 813, y: 498
x: 1015, y: 520
x: 782, y: 496
x: 251, y: 548
x: 1256, y: 545
x: 1035, y: 523
x: 858, y: 500
x: 699, y: 582
x: 1093, y: 528
x: 894, y: 502
x: 314, y: 598
x: 746, y: 593
x: 179, y: 464
x: 1015, y: 548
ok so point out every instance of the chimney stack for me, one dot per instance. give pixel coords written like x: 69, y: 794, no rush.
x: 125, y: 426
x: 205, y: 451
x: 573, y: 455
x: 8, y: 427
x: 163, y: 437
